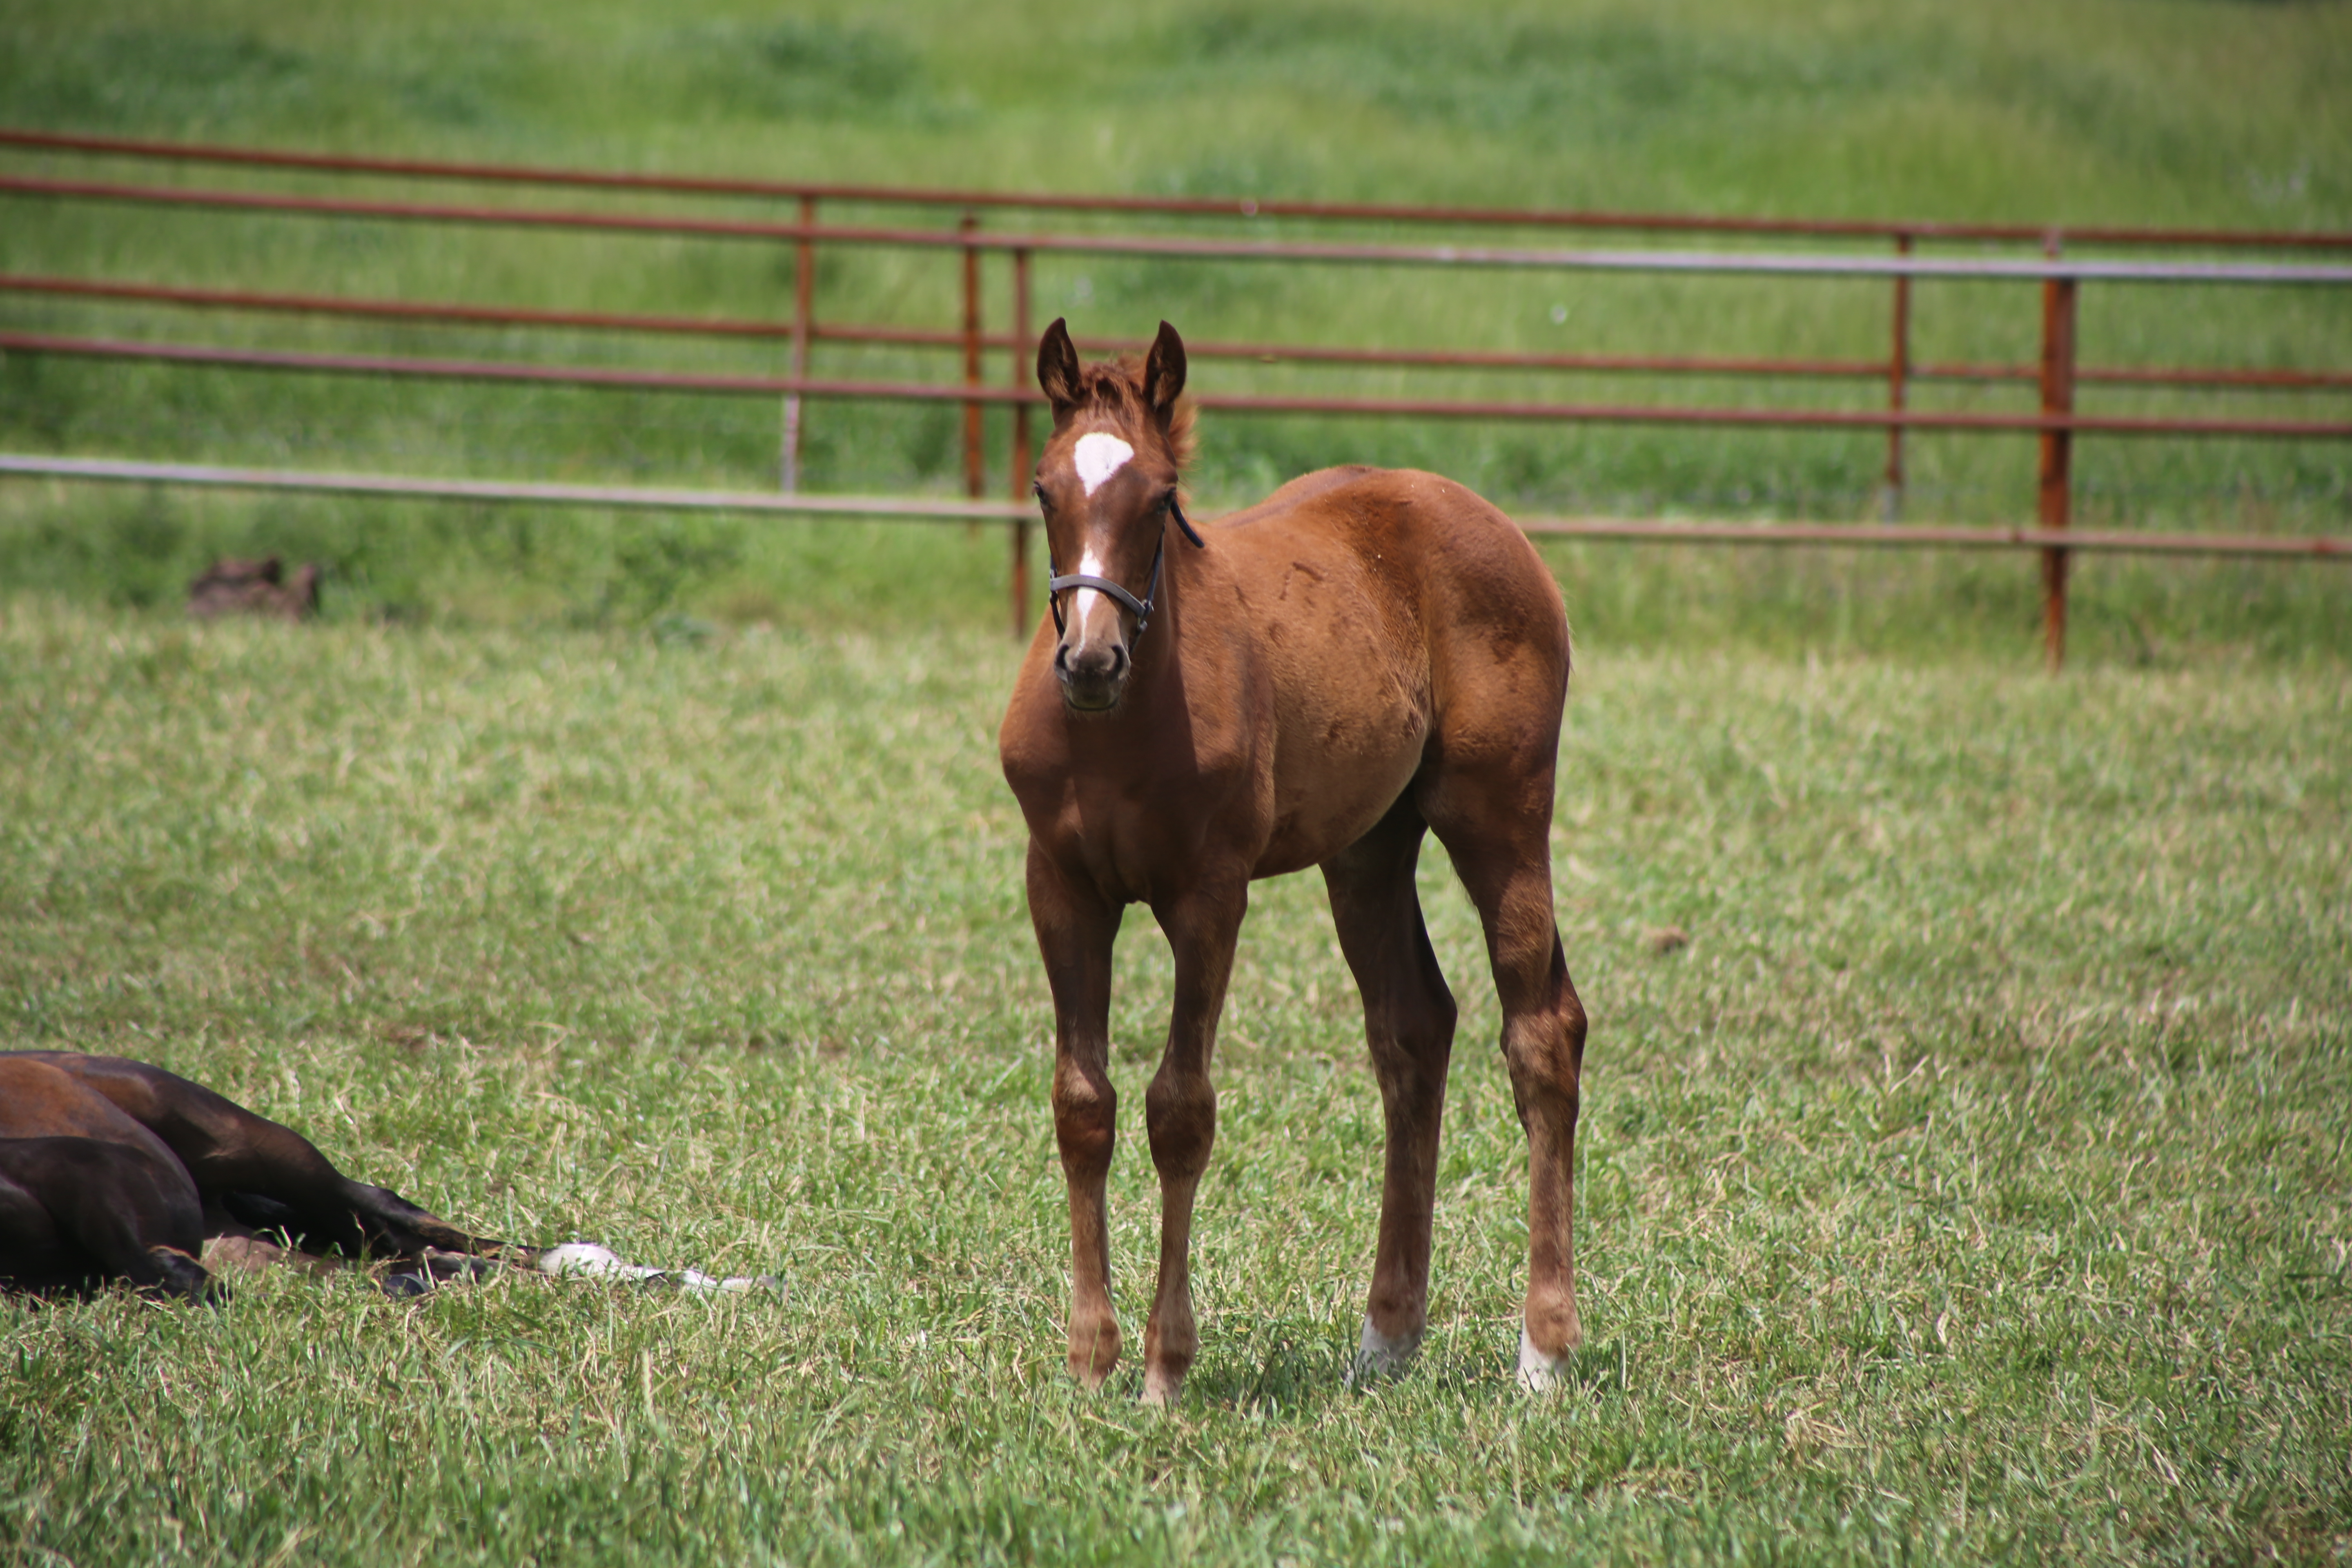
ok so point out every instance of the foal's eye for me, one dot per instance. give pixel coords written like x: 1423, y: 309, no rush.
x: 1038, y: 490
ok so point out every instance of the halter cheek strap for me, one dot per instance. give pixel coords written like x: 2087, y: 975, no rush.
x: 1176, y: 512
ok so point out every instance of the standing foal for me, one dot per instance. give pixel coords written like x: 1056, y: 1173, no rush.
x: 1361, y: 658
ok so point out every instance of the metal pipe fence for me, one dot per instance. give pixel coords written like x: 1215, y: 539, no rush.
x: 1248, y: 207
x: 2056, y: 422
x: 649, y: 498
x: 799, y: 330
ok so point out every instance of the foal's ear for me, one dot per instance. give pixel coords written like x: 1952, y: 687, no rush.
x: 1057, y: 368
x: 1163, y: 373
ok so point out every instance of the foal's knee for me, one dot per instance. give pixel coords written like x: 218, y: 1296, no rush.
x: 1085, y: 1120
x: 1181, y: 1115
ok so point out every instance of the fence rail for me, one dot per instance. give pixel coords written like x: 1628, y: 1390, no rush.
x: 1250, y: 207
x: 2060, y: 269
x: 453, y: 313
x: 402, y: 365
x: 646, y: 498
x: 1721, y: 263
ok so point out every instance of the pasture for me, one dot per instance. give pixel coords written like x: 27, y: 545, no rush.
x: 1973, y: 1184
x: 1974, y: 1181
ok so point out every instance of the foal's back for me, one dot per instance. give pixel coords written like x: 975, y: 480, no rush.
x: 1446, y: 576
x: 1402, y: 621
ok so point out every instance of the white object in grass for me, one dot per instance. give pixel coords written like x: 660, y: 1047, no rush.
x: 589, y: 1260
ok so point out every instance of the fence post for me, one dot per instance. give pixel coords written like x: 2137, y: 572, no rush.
x: 1019, y: 481
x: 2058, y: 316
x: 803, y: 322
x: 975, y: 461
x: 1898, y: 375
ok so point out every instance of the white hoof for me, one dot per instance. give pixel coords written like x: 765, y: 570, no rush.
x: 1379, y: 1356
x: 1538, y: 1374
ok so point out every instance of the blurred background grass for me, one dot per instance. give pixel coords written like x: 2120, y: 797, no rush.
x: 2119, y: 111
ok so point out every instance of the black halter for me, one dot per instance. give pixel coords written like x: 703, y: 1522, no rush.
x: 1140, y: 608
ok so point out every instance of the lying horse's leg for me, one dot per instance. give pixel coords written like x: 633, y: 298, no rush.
x: 1497, y: 830
x: 1075, y: 932
x: 1181, y: 1113
x: 1409, y: 1017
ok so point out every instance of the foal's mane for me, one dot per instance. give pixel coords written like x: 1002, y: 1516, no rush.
x: 1112, y: 390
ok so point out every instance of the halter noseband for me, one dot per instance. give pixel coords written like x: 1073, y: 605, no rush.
x: 1140, y: 608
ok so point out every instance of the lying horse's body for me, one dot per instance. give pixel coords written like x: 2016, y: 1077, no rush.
x: 112, y: 1170
x: 1363, y: 658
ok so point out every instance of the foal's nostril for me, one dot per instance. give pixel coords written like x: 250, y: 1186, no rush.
x: 1096, y: 670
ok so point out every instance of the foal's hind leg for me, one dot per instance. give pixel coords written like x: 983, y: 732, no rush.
x: 1496, y: 827
x: 1408, y: 1019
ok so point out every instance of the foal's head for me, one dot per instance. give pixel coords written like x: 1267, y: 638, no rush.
x: 1107, y: 483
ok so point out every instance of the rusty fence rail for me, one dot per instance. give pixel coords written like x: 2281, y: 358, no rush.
x: 454, y: 313
x: 2060, y: 274
x: 649, y: 498
x: 1247, y: 207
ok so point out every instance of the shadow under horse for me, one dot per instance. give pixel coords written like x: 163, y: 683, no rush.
x: 1363, y: 657
x: 113, y: 1170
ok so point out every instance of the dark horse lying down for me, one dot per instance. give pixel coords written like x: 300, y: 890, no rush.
x: 115, y: 1169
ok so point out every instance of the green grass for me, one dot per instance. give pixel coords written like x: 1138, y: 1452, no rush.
x: 1976, y: 1184
x: 2131, y: 111
x: 1973, y: 1187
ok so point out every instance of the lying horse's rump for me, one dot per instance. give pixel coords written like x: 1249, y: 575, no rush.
x: 111, y: 1169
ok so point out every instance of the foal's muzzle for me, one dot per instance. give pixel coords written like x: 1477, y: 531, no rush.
x: 1093, y: 675
x: 1094, y: 670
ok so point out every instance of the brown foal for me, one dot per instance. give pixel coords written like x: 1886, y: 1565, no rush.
x: 1363, y: 657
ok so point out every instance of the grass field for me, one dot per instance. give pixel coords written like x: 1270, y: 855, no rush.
x: 1976, y: 1183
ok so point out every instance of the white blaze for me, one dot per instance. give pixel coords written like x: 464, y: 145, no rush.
x: 1098, y: 457
x: 1089, y: 565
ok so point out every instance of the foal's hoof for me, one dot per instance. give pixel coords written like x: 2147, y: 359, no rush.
x: 1160, y: 1387
x: 1538, y: 1373
x: 1379, y: 1357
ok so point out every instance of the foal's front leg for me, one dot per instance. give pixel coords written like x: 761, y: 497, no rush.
x: 1076, y: 930
x: 1181, y: 1113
